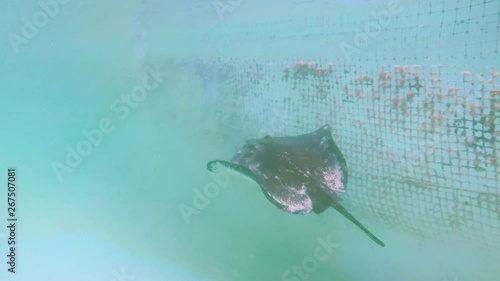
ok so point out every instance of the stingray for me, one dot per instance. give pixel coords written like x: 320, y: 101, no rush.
x: 298, y: 174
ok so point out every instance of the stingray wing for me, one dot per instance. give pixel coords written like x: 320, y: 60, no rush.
x: 282, y: 188
x: 285, y: 188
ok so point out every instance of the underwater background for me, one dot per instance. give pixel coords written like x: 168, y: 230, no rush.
x: 112, y: 109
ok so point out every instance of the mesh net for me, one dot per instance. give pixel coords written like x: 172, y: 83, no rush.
x: 413, y: 99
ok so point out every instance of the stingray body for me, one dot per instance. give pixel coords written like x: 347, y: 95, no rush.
x: 298, y: 174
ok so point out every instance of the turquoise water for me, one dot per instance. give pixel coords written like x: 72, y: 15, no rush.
x: 115, y: 214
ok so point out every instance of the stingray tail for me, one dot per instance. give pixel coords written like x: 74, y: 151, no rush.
x: 350, y: 217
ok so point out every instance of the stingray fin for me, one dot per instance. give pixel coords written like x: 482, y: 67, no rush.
x: 337, y: 206
x: 212, y: 166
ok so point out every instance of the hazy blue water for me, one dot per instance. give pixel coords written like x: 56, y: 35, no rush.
x: 119, y: 209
